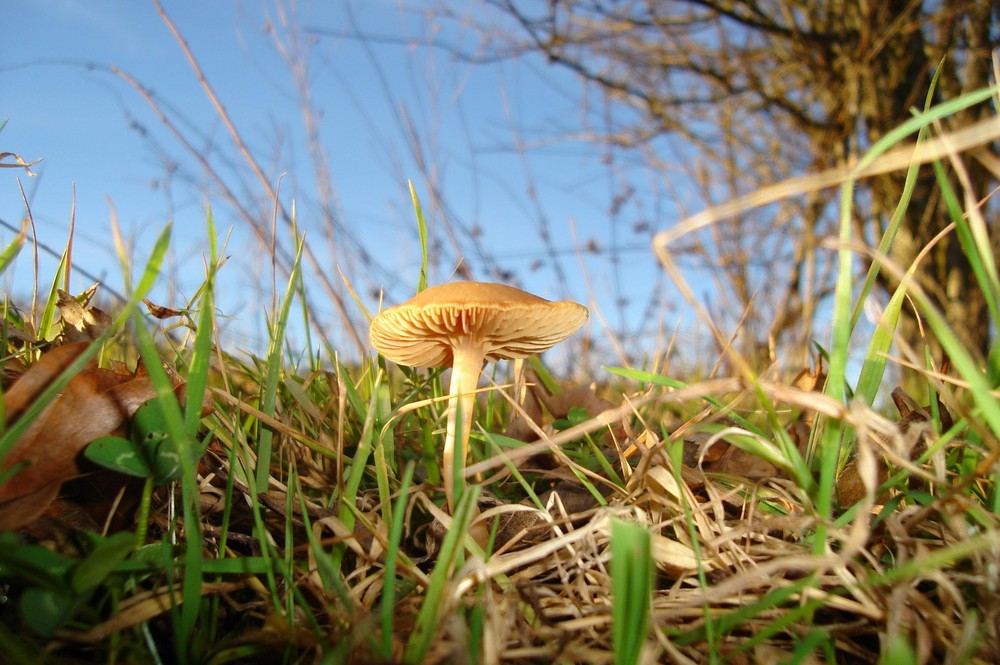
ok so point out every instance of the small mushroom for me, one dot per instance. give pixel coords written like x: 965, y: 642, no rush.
x: 463, y: 324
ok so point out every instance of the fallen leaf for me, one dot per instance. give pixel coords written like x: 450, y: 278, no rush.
x: 914, y: 426
x: 35, y: 379
x: 811, y: 378
x: 559, y: 406
x: 27, y: 507
x: 95, y: 403
x: 78, y: 415
x: 732, y: 460
x: 735, y: 461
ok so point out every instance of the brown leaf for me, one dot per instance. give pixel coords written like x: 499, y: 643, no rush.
x: 558, y: 405
x: 160, y: 312
x: 81, y: 322
x: 850, y: 486
x: 694, y: 454
x: 738, y: 462
x: 811, y: 378
x: 95, y: 403
x: 912, y: 413
x: 914, y: 423
x: 583, y: 397
x: 27, y: 507
x: 34, y: 380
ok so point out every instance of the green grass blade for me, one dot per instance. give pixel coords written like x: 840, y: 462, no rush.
x: 643, y: 376
x: 962, y: 361
x: 498, y: 443
x: 197, y: 376
x: 361, y: 455
x: 730, y: 621
x: 384, y: 452
x: 353, y: 397
x: 830, y: 441
x: 427, y: 622
x: 422, y: 229
x: 975, y: 246
x: 388, y: 609
x: 366, y: 443
x: 843, y: 318
x: 885, y: 243
x: 925, y: 119
x: 274, y: 364
x: 631, y: 589
x: 45, y: 324
x: 174, y: 420
x: 354, y: 296
x: 873, y: 366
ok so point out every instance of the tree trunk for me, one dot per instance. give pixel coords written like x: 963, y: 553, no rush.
x: 945, y: 273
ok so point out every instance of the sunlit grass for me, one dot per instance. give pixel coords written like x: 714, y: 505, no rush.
x: 314, y: 526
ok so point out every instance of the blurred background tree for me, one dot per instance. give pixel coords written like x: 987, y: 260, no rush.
x: 764, y: 89
x: 549, y: 142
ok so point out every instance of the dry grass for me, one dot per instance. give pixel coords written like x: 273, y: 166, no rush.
x: 787, y: 520
x: 740, y: 573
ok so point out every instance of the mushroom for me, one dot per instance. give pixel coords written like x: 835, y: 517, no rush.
x: 463, y: 324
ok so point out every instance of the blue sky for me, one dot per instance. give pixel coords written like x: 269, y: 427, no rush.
x: 379, y: 89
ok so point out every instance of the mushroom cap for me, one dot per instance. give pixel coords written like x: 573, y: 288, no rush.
x: 507, y: 322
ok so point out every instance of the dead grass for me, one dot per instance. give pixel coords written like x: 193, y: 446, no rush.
x: 740, y: 576
x: 788, y: 520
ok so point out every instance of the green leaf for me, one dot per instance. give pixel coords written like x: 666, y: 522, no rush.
x: 668, y: 382
x: 44, y: 611
x: 101, y: 562
x: 574, y: 417
x: 118, y: 454
x: 31, y: 564
x: 166, y: 460
x: 150, y: 434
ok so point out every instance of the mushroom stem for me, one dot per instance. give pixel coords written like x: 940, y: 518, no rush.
x: 468, y: 362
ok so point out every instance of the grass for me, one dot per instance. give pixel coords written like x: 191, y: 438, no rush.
x: 305, y: 522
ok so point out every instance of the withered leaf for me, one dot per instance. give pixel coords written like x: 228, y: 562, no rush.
x: 735, y: 461
x: 914, y: 421
x: 81, y: 321
x: 95, y: 403
x: 161, y: 312
x: 811, y: 378
x: 558, y: 405
x: 27, y: 507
